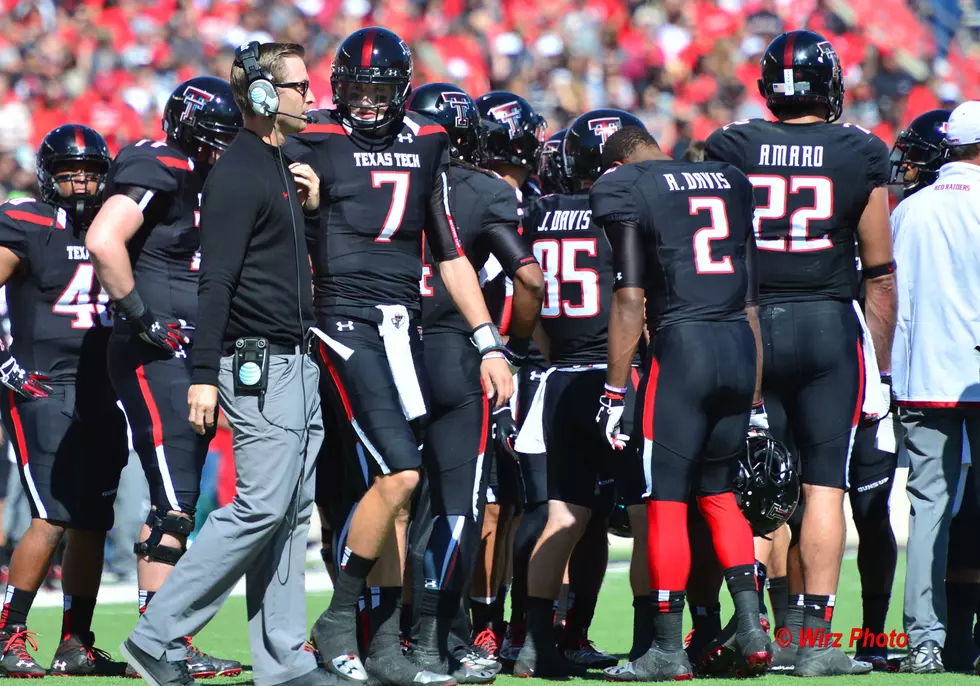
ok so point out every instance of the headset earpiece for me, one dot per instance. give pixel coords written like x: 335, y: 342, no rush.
x: 262, y: 94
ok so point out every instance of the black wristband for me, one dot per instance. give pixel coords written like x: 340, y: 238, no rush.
x: 880, y: 270
x: 131, y: 306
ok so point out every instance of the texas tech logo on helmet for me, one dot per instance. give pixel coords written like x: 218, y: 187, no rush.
x: 604, y: 127
x: 194, y: 100
x: 510, y: 114
x: 459, y: 102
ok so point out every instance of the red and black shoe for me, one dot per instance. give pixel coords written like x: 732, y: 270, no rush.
x: 77, y: 656
x: 15, y: 661
x: 204, y: 666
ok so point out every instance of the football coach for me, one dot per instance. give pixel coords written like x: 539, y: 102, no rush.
x: 255, y: 302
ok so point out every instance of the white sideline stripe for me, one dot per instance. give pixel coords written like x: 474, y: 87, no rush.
x: 126, y: 594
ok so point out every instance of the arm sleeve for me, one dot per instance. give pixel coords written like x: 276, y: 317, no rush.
x: 626, y: 240
x: 751, y: 271
x: 508, y: 247
x: 441, y: 233
x: 12, y: 233
x: 230, y: 207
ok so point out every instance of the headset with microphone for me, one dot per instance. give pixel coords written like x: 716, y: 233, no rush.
x: 262, y: 94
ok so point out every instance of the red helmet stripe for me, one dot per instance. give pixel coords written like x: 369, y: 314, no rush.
x: 788, y: 51
x: 367, y: 48
x: 79, y: 138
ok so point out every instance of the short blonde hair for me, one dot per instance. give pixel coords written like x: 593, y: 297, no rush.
x: 272, y: 59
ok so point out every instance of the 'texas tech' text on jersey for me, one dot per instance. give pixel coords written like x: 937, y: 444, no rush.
x: 812, y: 183
x: 376, y: 197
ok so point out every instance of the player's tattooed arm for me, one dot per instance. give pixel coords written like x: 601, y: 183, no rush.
x: 878, y: 264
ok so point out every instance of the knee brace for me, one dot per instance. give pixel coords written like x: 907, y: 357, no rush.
x: 169, y: 523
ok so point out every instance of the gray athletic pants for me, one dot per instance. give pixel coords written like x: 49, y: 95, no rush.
x: 261, y: 534
x: 934, y: 440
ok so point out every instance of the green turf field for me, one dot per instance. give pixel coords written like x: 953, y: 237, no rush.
x: 612, y: 630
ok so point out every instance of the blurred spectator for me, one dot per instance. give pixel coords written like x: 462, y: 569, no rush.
x: 683, y: 66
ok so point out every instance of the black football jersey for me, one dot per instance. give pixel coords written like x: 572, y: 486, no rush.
x: 576, y: 261
x: 695, y: 220
x: 375, y: 197
x: 488, y: 221
x: 58, y: 318
x: 812, y: 182
x: 165, y: 252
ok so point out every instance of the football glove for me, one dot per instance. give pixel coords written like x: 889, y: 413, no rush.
x: 166, y: 334
x: 505, y: 432
x: 612, y: 404
x: 28, y: 385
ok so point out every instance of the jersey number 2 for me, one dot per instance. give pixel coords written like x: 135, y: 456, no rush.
x: 401, y: 181
x: 703, y: 262
x: 558, y: 264
x: 76, y: 300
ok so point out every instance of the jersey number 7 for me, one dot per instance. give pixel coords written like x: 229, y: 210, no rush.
x: 401, y: 181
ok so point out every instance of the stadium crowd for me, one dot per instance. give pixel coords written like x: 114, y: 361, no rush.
x: 432, y: 502
x: 684, y: 68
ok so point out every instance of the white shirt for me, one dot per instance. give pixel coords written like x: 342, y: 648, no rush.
x: 936, y: 233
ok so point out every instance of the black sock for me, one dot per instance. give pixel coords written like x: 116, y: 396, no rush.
x: 497, y: 607
x: 77, y: 617
x: 961, y: 603
x: 351, y: 581
x: 581, y: 611
x: 794, y: 617
x: 668, y: 621
x: 779, y: 599
x: 760, y: 585
x: 482, y: 613
x: 741, y: 582
x: 16, y: 606
x: 818, y: 612
x: 643, y: 625
x: 875, y: 608
x: 144, y: 599
x: 384, y: 622
x: 565, y: 598
x: 706, y: 620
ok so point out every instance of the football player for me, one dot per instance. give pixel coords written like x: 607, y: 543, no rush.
x: 385, y: 179
x: 918, y: 152
x: 682, y: 246
x: 818, y: 187
x: 59, y: 407
x: 144, y: 244
x: 513, y: 143
x: 578, y: 277
x: 488, y: 221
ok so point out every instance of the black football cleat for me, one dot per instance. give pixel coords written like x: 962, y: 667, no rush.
x: 584, y: 653
x: 204, y: 666
x: 654, y: 665
x: 334, y: 638
x: 827, y: 661
x: 545, y: 664
x: 78, y: 656
x: 15, y: 660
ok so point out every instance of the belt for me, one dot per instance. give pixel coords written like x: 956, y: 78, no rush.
x: 276, y: 349
x: 306, y: 346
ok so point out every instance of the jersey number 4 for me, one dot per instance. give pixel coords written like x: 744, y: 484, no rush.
x: 559, y: 264
x: 76, y: 300
x: 779, y: 189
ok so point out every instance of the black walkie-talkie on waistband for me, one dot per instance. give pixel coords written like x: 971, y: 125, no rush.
x: 251, y: 367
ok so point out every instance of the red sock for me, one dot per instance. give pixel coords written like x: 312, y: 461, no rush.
x: 668, y: 550
x: 730, y: 532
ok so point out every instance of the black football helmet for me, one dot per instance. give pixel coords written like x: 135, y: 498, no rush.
x: 455, y: 111
x: 67, y: 144
x: 802, y: 68
x: 767, y: 487
x: 201, y: 116
x: 584, y: 140
x: 372, y: 56
x: 551, y: 171
x: 514, y: 132
x: 919, y: 152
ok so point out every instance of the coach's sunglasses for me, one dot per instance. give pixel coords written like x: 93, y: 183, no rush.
x: 301, y: 86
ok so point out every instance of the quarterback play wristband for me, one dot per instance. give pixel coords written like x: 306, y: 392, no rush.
x: 487, y: 339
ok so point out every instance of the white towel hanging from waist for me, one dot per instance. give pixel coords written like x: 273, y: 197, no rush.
x: 875, y: 405
x: 394, y: 327
x: 530, y: 440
